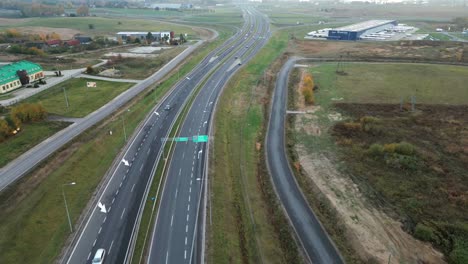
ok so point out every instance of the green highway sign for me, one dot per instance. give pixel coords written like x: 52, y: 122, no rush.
x: 196, y: 139
x: 200, y: 138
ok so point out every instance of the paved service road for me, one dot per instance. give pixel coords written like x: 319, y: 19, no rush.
x: 125, y: 193
x: 177, y: 235
x: 26, y: 162
x: 313, y: 238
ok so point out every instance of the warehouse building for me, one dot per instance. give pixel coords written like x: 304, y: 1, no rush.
x: 17, y: 74
x: 355, y: 31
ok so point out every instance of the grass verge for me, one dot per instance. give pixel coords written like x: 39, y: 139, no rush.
x: 81, y: 99
x: 246, y: 225
x: 33, y: 225
x: 30, y: 135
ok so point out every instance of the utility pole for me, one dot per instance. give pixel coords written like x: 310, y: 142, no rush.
x: 66, y: 205
x: 66, y: 98
x: 123, y: 125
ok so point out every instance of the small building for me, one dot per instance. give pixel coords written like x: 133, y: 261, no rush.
x: 71, y: 43
x: 85, y: 40
x: 354, y: 32
x: 157, y: 36
x: 53, y: 43
x: 17, y: 74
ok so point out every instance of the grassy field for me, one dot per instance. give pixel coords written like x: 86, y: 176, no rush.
x: 247, y: 226
x: 82, y: 100
x: 440, y: 36
x: 30, y: 135
x: 164, y: 14
x: 102, y: 26
x: 138, y: 68
x: 33, y: 224
x: 388, y: 83
x: 221, y: 16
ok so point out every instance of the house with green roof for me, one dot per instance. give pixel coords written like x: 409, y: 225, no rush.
x: 17, y: 74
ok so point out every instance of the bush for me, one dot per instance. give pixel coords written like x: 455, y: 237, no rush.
x: 459, y: 254
x: 308, y: 96
x: 405, y: 148
x: 399, y: 161
x: 390, y: 148
x: 368, y: 119
x: 424, y: 233
x: 375, y: 150
x: 89, y: 69
x: 352, y: 126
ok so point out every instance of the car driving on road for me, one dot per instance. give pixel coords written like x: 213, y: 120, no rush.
x: 99, y: 256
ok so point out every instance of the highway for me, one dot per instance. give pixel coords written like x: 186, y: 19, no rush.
x: 312, y: 237
x: 27, y: 161
x: 176, y: 237
x: 125, y: 192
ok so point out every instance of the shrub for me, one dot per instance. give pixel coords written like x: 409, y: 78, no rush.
x: 352, y: 126
x: 399, y: 161
x: 405, y: 148
x: 375, y: 150
x: 390, y: 148
x: 308, y: 96
x: 424, y: 233
x: 459, y: 254
x: 89, y: 69
x: 369, y: 119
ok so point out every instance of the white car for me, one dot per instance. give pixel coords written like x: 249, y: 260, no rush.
x: 99, y: 256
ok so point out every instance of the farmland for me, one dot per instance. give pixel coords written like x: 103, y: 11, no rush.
x: 101, y: 26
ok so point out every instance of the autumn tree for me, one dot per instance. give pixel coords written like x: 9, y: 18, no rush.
x: 54, y: 36
x: 83, y: 10
x: 4, y: 130
x: 307, y: 89
x: 28, y: 112
x: 12, y: 33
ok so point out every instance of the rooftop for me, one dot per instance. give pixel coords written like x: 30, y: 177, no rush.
x: 8, y: 72
x: 139, y: 33
x: 364, y: 25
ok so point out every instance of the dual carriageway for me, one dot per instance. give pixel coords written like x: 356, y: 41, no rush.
x: 177, y: 234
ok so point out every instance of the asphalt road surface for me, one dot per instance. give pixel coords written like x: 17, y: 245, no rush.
x: 26, y: 162
x: 179, y: 225
x: 312, y: 236
x: 125, y: 193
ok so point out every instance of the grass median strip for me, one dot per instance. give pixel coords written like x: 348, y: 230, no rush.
x: 33, y: 224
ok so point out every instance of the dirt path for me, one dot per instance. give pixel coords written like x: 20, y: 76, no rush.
x: 373, y: 234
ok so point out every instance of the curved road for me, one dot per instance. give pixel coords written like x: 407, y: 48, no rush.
x: 310, y: 233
